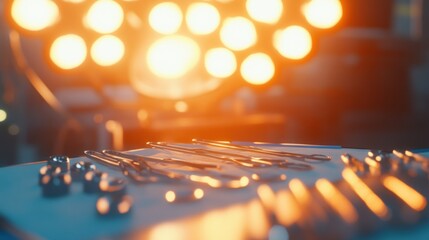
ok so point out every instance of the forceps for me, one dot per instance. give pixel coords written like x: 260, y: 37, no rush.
x: 140, y: 169
x: 239, y: 159
x: 137, y: 171
x: 296, y: 156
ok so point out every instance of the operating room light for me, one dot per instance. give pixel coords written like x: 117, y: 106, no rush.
x: 107, y: 50
x: 166, y: 18
x: 238, y: 33
x: 293, y: 42
x: 173, y: 56
x: 265, y: 11
x: 257, y: 69
x: 68, y: 51
x: 220, y: 62
x: 323, y: 13
x: 202, y: 18
x: 34, y: 15
x: 104, y: 16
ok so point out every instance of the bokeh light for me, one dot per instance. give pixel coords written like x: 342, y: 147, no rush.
x: 34, y: 15
x: 173, y: 56
x: 293, y: 42
x: 323, y: 13
x: 107, y: 50
x: 68, y: 51
x: 220, y: 62
x: 166, y: 18
x: 265, y: 11
x: 257, y: 69
x: 104, y: 16
x: 202, y: 18
x: 238, y: 33
x: 3, y: 115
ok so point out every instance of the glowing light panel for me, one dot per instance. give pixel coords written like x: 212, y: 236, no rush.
x: 265, y: 11
x: 104, y: 16
x: 166, y: 18
x: 34, y: 15
x: 323, y: 13
x: 107, y: 50
x: 238, y: 33
x: 293, y: 42
x: 257, y: 69
x: 202, y: 18
x: 220, y: 62
x: 173, y: 56
x: 68, y: 51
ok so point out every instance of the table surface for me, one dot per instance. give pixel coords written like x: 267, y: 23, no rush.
x: 221, y: 214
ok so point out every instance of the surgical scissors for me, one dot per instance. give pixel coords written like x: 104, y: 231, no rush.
x: 239, y: 159
x: 295, y: 156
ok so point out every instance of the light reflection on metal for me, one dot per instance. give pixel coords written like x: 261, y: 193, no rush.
x: 371, y: 200
x: 405, y: 192
x: 184, y: 195
x: 353, y: 163
x: 287, y: 209
x: 341, y: 205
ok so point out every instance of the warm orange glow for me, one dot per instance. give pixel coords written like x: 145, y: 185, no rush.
x: 202, y: 18
x: 288, y: 210
x: 300, y: 191
x: 206, y: 179
x: 68, y: 51
x: 220, y: 62
x: 170, y: 196
x: 117, y: 131
x: 125, y: 205
x: 169, y: 230
x: 267, y: 197
x: 337, y: 201
x: 166, y: 18
x: 293, y: 42
x: 34, y: 15
x: 372, y: 163
x: 406, y: 193
x: 173, y: 56
x: 265, y: 11
x: 104, y: 16
x: 181, y: 106
x: 323, y: 13
x: 257, y: 69
x: 198, y: 193
x: 238, y: 33
x: 107, y: 50
x: 103, y: 206
x: 371, y: 200
x: 257, y: 220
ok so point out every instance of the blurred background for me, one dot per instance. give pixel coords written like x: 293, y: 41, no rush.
x: 77, y: 75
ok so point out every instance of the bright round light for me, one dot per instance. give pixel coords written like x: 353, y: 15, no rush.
x: 34, y: 15
x: 257, y: 69
x: 220, y: 62
x: 173, y: 56
x: 104, y: 16
x: 68, y: 51
x: 3, y: 115
x: 202, y: 18
x: 265, y: 11
x: 166, y: 18
x: 293, y: 42
x: 323, y: 13
x: 107, y: 50
x: 238, y: 33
